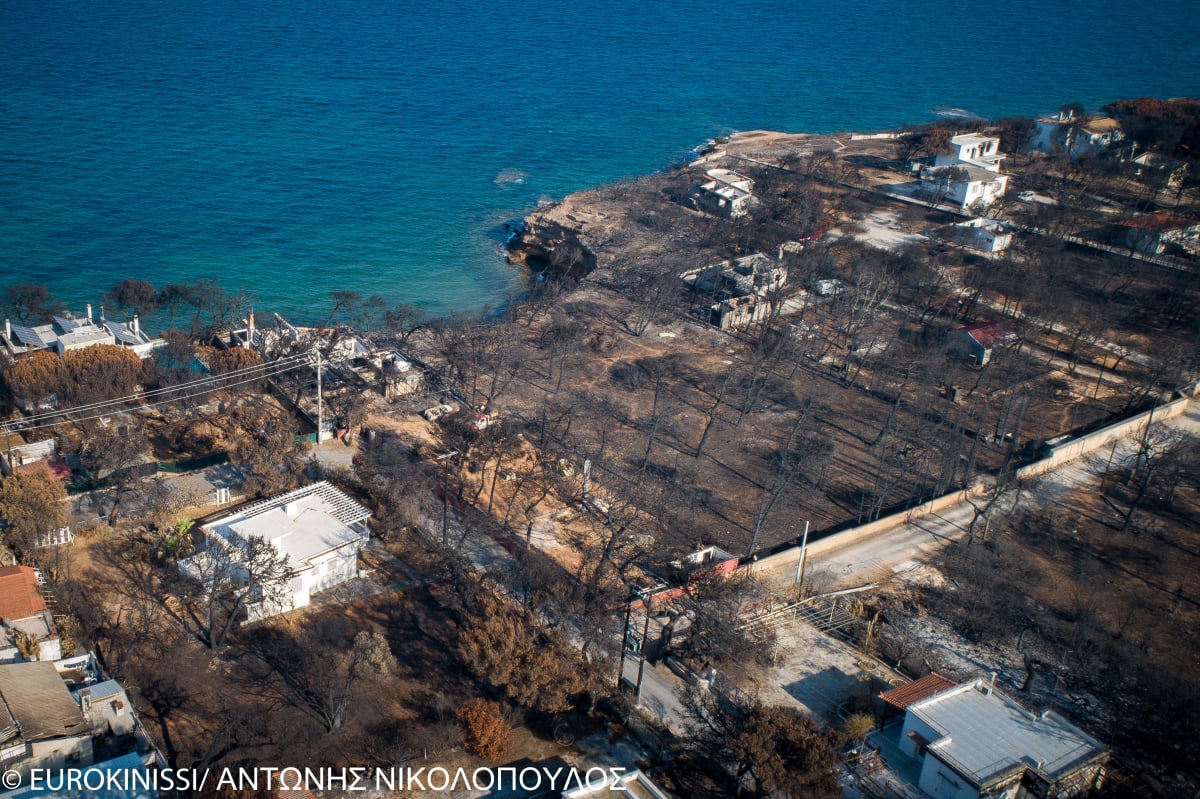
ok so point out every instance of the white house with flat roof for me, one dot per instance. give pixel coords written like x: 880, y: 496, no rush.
x: 974, y: 149
x: 969, y: 175
x: 70, y: 332
x: 982, y: 234
x: 974, y: 742
x: 965, y: 185
x: 726, y: 193
x: 318, y: 528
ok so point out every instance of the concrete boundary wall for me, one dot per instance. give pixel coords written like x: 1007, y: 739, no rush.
x: 1062, y: 454
x: 1078, y: 447
x: 791, y: 557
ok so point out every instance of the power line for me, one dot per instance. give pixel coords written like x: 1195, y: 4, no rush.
x: 290, y: 365
x: 208, y: 379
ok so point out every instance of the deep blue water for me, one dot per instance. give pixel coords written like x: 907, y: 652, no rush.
x: 294, y: 148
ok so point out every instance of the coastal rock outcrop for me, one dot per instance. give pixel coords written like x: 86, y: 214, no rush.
x: 551, y: 249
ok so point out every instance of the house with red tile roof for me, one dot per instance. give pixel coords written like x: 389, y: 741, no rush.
x: 901, y: 697
x: 27, y: 629
x: 970, y: 741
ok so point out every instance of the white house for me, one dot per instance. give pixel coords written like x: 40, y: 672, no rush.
x: 106, y: 706
x: 972, y: 742
x: 318, y: 528
x: 964, y: 185
x: 970, y: 174
x: 1096, y: 134
x: 980, y: 233
x: 972, y: 149
x: 726, y: 193
x: 70, y: 332
x: 1077, y: 137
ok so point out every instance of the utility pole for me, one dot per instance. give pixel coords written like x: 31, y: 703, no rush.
x: 445, y: 497
x: 320, y: 404
x: 642, y: 653
x: 624, y: 642
x: 803, y: 555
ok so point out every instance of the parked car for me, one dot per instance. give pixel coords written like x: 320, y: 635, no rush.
x: 438, y: 411
x: 482, y: 421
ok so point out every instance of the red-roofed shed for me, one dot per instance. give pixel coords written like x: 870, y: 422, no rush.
x: 978, y: 340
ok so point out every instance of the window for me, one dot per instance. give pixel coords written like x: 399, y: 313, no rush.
x: 948, y: 779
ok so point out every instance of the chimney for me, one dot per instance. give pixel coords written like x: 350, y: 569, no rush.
x: 89, y: 312
x: 136, y: 327
x: 101, y: 313
x: 8, y: 330
x: 250, y: 331
x: 993, y: 683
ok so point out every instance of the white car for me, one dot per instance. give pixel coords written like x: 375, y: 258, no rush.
x: 438, y: 411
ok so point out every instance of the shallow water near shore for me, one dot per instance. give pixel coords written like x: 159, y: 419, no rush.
x: 294, y: 149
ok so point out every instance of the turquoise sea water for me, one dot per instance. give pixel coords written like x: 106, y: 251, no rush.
x: 297, y: 147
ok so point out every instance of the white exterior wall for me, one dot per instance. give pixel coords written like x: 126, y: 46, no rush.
x: 331, y: 569
x: 56, y: 753
x: 914, y: 724
x: 978, y: 192
x: 971, y: 153
x: 964, y: 193
x: 942, y: 782
x: 996, y: 243
x: 1050, y: 134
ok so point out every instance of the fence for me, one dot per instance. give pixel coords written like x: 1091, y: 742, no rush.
x: 192, y: 464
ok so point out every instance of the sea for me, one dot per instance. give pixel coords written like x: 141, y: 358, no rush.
x: 291, y: 148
